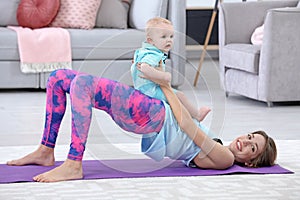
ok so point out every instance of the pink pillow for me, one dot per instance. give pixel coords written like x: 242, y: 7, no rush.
x: 77, y: 14
x: 36, y: 13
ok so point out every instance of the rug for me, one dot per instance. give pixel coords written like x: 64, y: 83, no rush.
x: 131, y: 168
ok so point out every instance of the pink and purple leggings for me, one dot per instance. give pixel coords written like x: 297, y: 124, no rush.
x: 129, y: 108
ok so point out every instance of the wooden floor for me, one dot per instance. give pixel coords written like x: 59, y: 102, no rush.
x: 22, y: 117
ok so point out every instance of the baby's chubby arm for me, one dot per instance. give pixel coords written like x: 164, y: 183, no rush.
x: 156, y: 75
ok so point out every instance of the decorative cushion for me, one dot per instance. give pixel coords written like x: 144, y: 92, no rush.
x: 257, y: 35
x: 77, y: 14
x: 298, y: 6
x: 113, y: 14
x: 36, y: 13
x: 141, y: 11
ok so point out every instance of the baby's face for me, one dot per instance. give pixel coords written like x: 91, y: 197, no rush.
x: 162, y: 37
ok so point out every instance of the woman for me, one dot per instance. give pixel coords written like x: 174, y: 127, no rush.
x: 138, y: 113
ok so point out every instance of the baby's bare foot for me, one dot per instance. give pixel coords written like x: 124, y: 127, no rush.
x: 69, y: 170
x: 42, y: 156
x: 202, y: 113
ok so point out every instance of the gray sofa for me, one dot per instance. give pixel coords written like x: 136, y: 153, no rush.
x: 101, y: 51
x: 268, y: 72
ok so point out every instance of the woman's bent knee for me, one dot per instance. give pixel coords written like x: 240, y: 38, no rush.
x: 61, y: 77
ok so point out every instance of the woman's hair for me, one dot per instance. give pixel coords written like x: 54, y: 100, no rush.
x: 268, y: 156
x: 154, y: 22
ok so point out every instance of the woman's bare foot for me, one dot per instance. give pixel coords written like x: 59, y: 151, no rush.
x: 42, y: 156
x: 202, y: 113
x: 69, y: 170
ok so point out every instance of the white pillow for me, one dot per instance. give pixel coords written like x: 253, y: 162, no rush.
x: 143, y: 10
x: 257, y: 35
x: 298, y: 6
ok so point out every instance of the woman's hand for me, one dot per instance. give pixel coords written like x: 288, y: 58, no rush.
x: 155, y: 74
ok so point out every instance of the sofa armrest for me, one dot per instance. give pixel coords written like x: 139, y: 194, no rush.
x: 177, y: 14
x: 279, y: 60
x: 237, y: 21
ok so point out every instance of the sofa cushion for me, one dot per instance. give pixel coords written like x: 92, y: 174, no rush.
x: 113, y: 14
x: 107, y: 44
x: 9, y: 46
x: 141, y: 11
x: 8, y: 10
x: 241, y: 82
x: 241, y: 56
x: 95, y: 44
x: 298, y: 6
x: 37, y: 13
x: 77, y: 14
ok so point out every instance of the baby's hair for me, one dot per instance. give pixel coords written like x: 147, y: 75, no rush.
x: 153, y: 22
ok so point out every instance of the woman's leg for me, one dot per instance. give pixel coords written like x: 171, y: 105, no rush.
x: 130, y: 109
x: 58, y: 85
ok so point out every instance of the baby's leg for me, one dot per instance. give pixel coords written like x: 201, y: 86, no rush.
x: 194, y: 112
x: 203, y: 111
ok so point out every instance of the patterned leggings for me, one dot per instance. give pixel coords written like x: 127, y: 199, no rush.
x: 129, y: 108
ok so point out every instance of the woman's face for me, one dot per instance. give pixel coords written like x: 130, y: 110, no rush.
x: 247, y: 147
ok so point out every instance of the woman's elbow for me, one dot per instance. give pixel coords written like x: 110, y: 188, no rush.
x: 226, y: 164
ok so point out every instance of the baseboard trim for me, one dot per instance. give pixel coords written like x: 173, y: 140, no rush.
x: 195, y: 51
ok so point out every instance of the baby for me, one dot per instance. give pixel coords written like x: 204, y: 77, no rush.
x: 154, y: 52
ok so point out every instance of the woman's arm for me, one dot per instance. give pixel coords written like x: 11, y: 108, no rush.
x: 213, y: 155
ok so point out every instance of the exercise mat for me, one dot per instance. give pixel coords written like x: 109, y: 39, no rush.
x: 107, y: 169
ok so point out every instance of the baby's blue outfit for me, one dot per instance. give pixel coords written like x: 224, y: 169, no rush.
x: 171, y: 141
x: 152, y: 56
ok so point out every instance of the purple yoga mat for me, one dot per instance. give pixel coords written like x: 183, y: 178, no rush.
x: 130, y: 168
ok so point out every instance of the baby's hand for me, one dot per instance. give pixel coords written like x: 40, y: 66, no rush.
x: 157, y: 74
x: 160, y: 67
x: 147, y: 71
x: 139, y: 67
